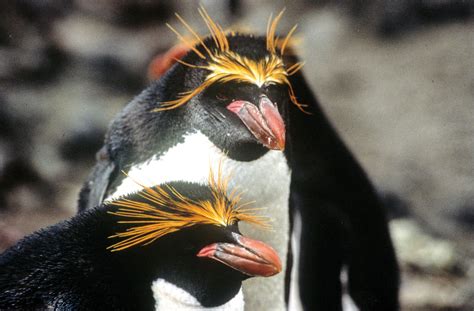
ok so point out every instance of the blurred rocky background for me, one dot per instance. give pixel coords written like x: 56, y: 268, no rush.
x: 395, y: 77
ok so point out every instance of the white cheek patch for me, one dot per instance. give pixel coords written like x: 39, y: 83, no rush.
x: 192, y: 160
x: 171, y: 297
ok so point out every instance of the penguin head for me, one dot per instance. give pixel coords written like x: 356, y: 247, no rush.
x: 233, y: 87
x: 188, y: 234
x: 195, y: 222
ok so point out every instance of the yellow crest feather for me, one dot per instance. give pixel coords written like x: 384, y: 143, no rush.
x: 225, y: 65
x: 163, y: 210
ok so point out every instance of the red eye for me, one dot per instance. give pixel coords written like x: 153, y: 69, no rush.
x: 221, y: 96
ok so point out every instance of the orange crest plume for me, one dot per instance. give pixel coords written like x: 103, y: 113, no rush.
x: 163, y: 210
x: 225, y: 65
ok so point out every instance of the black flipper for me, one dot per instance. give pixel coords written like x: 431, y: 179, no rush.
x: 343, y: 221
x: 93, y: 191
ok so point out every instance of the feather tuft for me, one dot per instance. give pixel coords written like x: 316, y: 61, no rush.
x: 225, y: 65
x: 162, y: 210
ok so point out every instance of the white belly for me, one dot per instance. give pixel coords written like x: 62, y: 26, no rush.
x: 266, y: 181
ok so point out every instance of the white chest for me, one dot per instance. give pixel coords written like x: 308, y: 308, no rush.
x: 265, y: 181
x: 169, y: 297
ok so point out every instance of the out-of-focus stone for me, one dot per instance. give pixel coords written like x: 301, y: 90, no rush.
x: 427, y: 293
x: 421, y: 251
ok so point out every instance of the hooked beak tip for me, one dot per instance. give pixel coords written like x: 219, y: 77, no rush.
x: 279, y: 143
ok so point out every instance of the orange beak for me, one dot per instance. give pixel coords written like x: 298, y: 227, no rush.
x: 264, y: 122
x: 251, y: 257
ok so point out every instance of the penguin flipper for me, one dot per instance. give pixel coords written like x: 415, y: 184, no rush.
x: 93, y: 191
x: 343, y: 220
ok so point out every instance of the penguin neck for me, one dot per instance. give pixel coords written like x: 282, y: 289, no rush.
x: 190, y: 161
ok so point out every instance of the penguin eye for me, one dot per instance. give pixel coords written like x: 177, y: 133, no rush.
x: 221, y: 96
